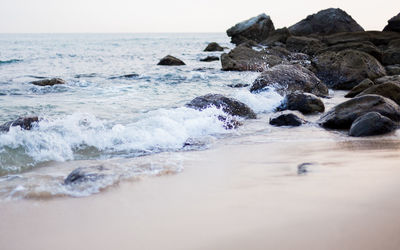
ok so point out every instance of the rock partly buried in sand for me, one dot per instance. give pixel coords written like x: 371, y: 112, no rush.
x: 389, y: 90
x: 393, y: 24
x: 344, y: 114
x: 306, y: 103
x: 325, y: 22
x: 391, y: 55
x: 228, y: 105
x: 365, y: 84
x: 243, y: 58
x: 286, y: 119
x: 213, y: 47
x: 25, y: 123
x: 256, y: 29
x: 48, y: 82
x: 371, y: 123
x: 171, y: 61
x: 345, y: 69
x: 392, y: 70
x: 85, y: 174
x: 307, y: 45
x: 366, y: 46
x: 290, y: 78
x: 210, y: 59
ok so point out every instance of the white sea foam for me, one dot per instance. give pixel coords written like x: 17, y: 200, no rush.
x: 265, y: 101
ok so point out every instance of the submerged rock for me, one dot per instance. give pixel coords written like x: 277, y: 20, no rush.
x: 345, y: 69
x: 389, y: 90
x: 344, y: 114
x: 363, y: 85
x: 85, y: 174
x: 25, y: 123
x: 393, y: 24
x: 256, y: 29
x: 306, y: 103
x: 48, y: 82
x: 372, y: 123
x: 238, y: 85
x: 325, y: 22
x: 290, y: 78
x: 213, y: 47
x: 210, y: 59
x: 286, y: 119
x: 228, y: 105
x: 171, y: 61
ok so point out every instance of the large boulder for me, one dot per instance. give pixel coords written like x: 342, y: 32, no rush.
x: 344, y: 114
x: 391, y: 55
x: 389, y: 90
x: 290, y: 78
x: 393, y: 24
x: 378, y: 38
x: 307, y: 45
x: 256, y: 29
x: 48, y: 82
x: 365, y: 84
x: 345, y: 69
x: 371, y: 123
x: 286, y: 119
x: 325, y: 22
x: 170, y: 61
x: 306, y: 103
x: 244, y: 58
x: 228, y: 105
x: 26, y: 123
x: 213, y: 47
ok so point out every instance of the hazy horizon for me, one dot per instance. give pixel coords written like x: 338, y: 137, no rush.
x: 174, y: 16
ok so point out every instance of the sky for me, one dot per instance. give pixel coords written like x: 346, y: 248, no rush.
x: 131, y: 16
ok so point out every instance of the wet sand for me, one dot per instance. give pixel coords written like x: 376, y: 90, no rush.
x: 234, y: 196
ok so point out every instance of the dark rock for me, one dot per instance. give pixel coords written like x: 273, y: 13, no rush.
x: 170, y: 61
x: 391, y: 55
x: 344, y: 114
x: 365, y: 84
x: 376, y: 37
x: 238, y: 85
x: 257, y: 29
x: 389, y: 90
x: 371, y: 123
x: 393, y: 69
x: 307, y: 45
x: 133, y: 75
x: 48, y: 82
x: 286, y: 119
x: 345, y: 69
x: 365, y: 46
x: 325, y: 22
x: 87, y: 174
x: 302, y: 169
x: 304, y: 102
x: 25, y: 123
x: 243, y: 58
x: 213, y: 47
x: 228, y: 105
x: 384, y: 79
x: 210, y: 59
x: 276, y: 37
x: 393, y: 24
x: 290, y: 78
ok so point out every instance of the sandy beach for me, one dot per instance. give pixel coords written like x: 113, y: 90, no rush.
x: 233, y: 196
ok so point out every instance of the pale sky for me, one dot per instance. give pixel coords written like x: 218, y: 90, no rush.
x: 49, y: 16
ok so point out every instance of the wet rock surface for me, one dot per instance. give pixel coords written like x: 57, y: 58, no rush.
x: 371, y: 123
x: 48, y: 82
x: 286, y: 119
x: 26, y: 123
x: 170, y: 61
x: 210, y: 59
x: 304, y: 102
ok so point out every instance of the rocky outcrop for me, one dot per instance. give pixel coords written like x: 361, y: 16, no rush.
x: 286, y: 119
x: 26, y: 123
x: 210, y: 59
x: 325, y: 22
x: 213, y: 47
x: 376, y: 37
x: 391, y: 55
x: 393, y: 24
x: 304, y: 102
x: 170, y: 61
x: 228, y: 105
x: 385, y: 79
x: 48, y: 82
x: 243, y: 58
x: 389, y: 90
x: 277, y: 37
x: 307, y: 45
x: 290, y: 78
x: 365, y: 84
x: 345, y: 69
x: 256, y: 29
x: 371, y: 123
x: 344, y: 114
x: 367, y: 47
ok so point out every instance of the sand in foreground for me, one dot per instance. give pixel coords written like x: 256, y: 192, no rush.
x: 231, y: 197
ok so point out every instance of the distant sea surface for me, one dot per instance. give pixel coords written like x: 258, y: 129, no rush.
x: 117, y: 105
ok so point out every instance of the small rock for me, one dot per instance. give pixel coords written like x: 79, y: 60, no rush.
x: 302, y: 168
x: 170, y: 61
x: 286, y: 119
x: 48, y: 82
x: 304, y: 102
x: 371, y: 123
x: 210, y: 59
x: 88, y: 174
x: 213, y: 47
x: 25, y: 123
x: 238, y: 85
x: 365, y: 84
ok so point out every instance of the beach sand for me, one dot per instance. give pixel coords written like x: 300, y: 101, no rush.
x: 236, y: 195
